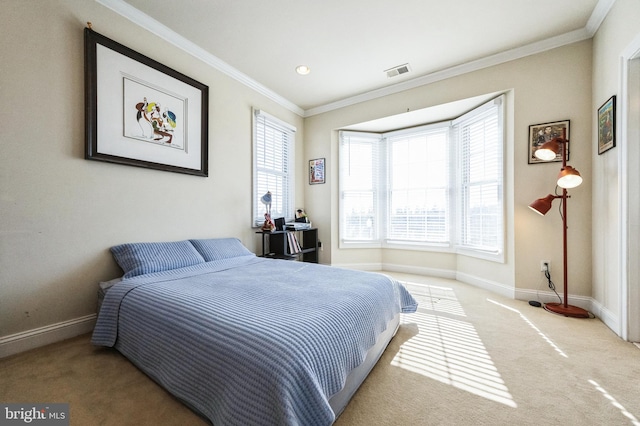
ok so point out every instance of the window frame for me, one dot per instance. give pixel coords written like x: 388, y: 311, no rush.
x: 461, y: 246
x: 455, y: 214
x: 376, y: 143
x: 426, y: 130
x: 283, y: 201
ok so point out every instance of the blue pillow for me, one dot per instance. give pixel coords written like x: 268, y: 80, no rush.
x: 144, y: 258
x: 220, y: 248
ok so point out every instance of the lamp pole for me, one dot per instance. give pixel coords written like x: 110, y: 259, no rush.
x: 564, y: 246
x: 564, y: 308
x: 564, y: 223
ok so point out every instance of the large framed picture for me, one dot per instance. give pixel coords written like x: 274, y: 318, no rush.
x: 539, y: 134
x: 316, y: 171
x: 142, y: 113
x: 607, y: 125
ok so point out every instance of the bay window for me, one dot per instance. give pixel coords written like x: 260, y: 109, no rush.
x: 437, y: 186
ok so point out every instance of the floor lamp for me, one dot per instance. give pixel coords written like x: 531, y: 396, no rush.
x: 567, y: 178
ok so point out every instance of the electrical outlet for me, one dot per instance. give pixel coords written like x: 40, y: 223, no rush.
x: 545, y: 265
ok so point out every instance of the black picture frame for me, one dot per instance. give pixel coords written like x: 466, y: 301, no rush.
x: 279, y: 222
x: 607, y: 125
x: 544, y: 132
x: 139, y: 112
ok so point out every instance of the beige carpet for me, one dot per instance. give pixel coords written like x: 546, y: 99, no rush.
x: 468, y: 357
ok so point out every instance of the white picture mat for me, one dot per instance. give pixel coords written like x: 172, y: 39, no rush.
x: 111, y: 69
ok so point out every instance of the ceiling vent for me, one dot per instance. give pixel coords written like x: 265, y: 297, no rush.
x: 395, y: 71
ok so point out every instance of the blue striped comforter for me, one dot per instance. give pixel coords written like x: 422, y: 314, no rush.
x: 251, y: 341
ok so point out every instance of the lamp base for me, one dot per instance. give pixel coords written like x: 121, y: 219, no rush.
x: 567, y: 311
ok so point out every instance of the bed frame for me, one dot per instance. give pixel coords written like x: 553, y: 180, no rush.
x: 356, y: 377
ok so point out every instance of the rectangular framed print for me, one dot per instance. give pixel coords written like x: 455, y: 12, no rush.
x: 316, y: 171
x: 142, y: 113
x: 539, y: 134
x: 607, y: 125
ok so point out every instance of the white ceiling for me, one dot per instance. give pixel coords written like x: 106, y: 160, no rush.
x: 348, y: 44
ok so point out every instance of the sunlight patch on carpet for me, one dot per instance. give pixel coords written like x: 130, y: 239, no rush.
x: 448, y: 349
x: 615, y: 403
x: 435, y: 298
x: 532, y: 325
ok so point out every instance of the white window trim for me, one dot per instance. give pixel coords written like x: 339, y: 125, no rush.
x: 258, y: 220
x: 341, y: 226
x: 452, y: 246
x: 494, y: 256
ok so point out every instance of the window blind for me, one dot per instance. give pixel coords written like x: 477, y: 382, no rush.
x: 419, y: 186
x: 481, y: 178
x: 434, y: 185
x: 273, y: 153
x: 359, y: 186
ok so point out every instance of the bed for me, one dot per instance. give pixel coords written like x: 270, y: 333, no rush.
x: 246, y: 340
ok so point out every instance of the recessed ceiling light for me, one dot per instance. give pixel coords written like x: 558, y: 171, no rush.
x: 303, y: 69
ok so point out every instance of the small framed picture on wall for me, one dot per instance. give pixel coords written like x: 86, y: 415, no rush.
x: 539, y: 134
x: 316, y: 171
x: 607, y: 125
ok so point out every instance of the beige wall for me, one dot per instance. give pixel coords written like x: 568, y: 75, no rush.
x: 550, y: 86
x: 61, y: 213
x: 618, y: 30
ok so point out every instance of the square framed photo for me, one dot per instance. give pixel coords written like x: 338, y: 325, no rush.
x: 316, y: 171
x: 607, y: 125
x: 539, y: 134
x: 142, y: 113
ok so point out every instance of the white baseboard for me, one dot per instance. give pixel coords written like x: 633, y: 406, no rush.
x: 606, y: 316
x: 473, y: 280
x: 30, y: 339
x: 405, y: 269
x: 485, y: 284
x: 420, y: 270
x: 587, y: 303
x: 359, y: 266
x: 546, y: 296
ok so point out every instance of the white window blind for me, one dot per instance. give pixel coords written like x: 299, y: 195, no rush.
x: 273, y: 154
x: 480, y: 140
x: 419, y: 186
x: 359, y: 187
x: 439, y: 185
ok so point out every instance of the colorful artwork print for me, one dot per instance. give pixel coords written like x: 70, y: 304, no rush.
x: 152, y: 115
x: 606, y: 125
x: 141, y: 113
x: 316, y: 171
x: 154, y: 123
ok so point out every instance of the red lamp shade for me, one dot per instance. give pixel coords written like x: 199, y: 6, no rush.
x: 542, y: 205
x: 549, y: 150
x: 569, y: 178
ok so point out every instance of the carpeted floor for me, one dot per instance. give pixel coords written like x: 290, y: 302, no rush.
x: 467, y: 357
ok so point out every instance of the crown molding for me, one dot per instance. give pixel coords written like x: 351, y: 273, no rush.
x: 595, y: 20
x: 146, y: 22
x: 597, y: 16
x: 499, y: 58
